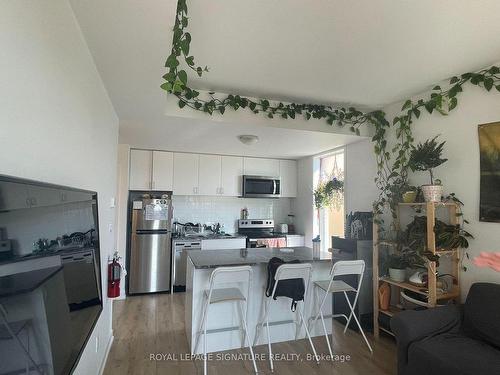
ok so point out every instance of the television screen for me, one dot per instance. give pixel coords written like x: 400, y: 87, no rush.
x: 50, y: 285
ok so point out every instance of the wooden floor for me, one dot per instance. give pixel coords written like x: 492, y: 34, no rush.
x: 154, y: 324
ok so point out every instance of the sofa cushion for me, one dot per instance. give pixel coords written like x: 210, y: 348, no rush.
x: 481, y: 313
x: 451, y: 353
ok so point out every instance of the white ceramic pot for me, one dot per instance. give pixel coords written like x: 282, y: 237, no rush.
x: 432, y: 193
x: 397, y: 274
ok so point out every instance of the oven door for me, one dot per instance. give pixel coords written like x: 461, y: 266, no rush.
x: 254, y: 243
x: 261, y: 187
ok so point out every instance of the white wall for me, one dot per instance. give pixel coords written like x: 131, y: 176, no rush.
x: 360, y: 189
x: 461, y: 173
x: 57, y: 123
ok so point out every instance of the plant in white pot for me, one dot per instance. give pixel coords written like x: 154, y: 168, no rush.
x: 397, y: 264
x: 425, y: 157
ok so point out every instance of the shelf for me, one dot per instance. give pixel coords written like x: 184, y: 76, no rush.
x: 387, y: 243
x: 387, y: 331
x: 423, y: 204
x: 454, y: 293
x: 406, y: 285
x: 393, y: 310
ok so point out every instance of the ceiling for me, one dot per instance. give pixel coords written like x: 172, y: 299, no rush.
x: 366, y: 52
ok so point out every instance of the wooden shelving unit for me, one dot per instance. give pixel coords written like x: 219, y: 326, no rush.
x: 430, y: 291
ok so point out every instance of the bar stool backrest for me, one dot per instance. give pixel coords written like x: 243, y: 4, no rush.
x: 348, y: 267
x: 293, y: 271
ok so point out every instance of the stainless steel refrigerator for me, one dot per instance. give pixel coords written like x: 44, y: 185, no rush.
x: 150, y: 246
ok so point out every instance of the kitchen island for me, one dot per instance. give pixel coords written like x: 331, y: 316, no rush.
x: 224, y: 316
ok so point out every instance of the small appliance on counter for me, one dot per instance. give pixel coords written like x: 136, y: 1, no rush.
x: 282, y: 228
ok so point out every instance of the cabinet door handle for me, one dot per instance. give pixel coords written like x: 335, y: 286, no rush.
x: 28, y: 202
x: 221, y: 190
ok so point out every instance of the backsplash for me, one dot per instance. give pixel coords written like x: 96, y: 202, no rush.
x: 226, y: 210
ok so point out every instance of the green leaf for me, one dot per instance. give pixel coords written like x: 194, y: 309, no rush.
x: 222, y: 109
x: 199, y: 71
x: 497, y: 87
x: 177, y: 87
x: 406, y: 105
x: 184, y: 47
x: 182, y: 103
x: 454, y: 80
x: 170, y: 76
x: 190, y: 60
x: 453, y: 103
x: 182, y: 76
x: 172, y: 61
x: 167, y: 86
x: 488, y: 83
x: 198, y: 105
x: 416, y: 111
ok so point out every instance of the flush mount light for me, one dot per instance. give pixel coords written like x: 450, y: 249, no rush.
x: 248, y: 139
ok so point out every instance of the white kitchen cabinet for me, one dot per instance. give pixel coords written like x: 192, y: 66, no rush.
x: 163, y: 171
x: 140, y: 169
x: 231, y: 173
x: 262, y: 167
x: 224, y: 244
x: 288, y: 176
x: 295, y: 240
x: 186, y: 168
x: 209, y: 175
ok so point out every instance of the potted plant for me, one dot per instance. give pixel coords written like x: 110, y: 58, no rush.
x: 409, y: 193
x: 425, y: 157
x: 397, y: 264
x: 329, y: 193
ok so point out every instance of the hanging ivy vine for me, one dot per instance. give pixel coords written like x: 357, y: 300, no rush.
x: 392, y: 163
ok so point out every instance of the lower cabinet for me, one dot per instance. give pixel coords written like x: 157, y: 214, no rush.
x: 224, y: 244
x: 295, y: 240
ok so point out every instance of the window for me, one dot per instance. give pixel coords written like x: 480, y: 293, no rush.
x: 329, y: 221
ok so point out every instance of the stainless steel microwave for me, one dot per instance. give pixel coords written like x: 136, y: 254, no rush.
x: 261, y: 187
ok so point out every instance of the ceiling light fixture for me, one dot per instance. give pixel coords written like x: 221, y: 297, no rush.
x: 248, y: 139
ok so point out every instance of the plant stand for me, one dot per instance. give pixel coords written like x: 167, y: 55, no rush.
x: 430, y: 292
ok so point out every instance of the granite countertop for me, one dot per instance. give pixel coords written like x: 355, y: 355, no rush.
x: 65, y: 251
x: 24, y: 282
x: 239, y: 257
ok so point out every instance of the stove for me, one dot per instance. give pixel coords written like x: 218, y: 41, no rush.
x: 260, y: 233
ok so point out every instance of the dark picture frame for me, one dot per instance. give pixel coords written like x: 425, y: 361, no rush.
x: 489, y: 148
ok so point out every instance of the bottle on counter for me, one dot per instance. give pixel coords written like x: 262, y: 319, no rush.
x: 244, y: 213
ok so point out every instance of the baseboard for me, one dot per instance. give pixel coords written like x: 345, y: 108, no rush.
x: 108, y: 348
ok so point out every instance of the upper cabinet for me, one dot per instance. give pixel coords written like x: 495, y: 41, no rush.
x: 231, y: 176
x: 262, y: 167
x: 186, y: 168
x: 163, y: 171
x: 199, y: 174
x: 288, y: 176
x: 209, y: 175
x: 140, y: 169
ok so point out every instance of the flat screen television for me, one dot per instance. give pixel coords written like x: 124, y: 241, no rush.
x: 50, y: 279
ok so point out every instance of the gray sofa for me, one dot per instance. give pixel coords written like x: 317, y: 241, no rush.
x: 455, y: 340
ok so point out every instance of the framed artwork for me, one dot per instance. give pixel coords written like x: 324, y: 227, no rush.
x: 489, y: 148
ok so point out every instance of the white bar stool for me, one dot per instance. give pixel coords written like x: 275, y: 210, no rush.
x: 221, y: 275
x: 341, y: 268
x: 286, y: 272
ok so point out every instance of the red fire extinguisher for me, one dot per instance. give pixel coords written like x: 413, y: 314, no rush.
x: 114, y: 274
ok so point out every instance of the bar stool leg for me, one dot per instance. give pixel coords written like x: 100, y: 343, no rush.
x: 241, y: 328
x: 247, y: 338
x: 357, y: 322
x: 260, y: 323
x: 205, y: 343
x: 309, y: 337
x: 269, y: 337
x: 326, y: 334
x: 202, y: 322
